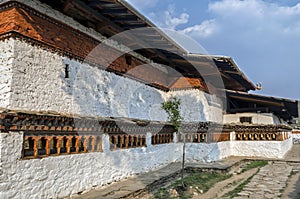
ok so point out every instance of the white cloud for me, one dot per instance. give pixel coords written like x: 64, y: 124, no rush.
x: 171, y: 21
x: 264, y: 37
x: 258, y: 14
x: 205, y: 29
x: 246, y: 19
x: 169, y: 18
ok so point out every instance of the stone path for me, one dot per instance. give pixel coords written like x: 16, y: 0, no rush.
x: 292, y: 191
x: 280, y: 179
x: 268, y: 183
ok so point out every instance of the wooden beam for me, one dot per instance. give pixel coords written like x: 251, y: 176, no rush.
x: 241, y: 110
x: 114, y: 11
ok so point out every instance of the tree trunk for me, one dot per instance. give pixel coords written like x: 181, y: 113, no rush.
x: 183, y: 160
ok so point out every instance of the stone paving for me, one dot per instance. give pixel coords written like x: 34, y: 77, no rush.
x: 272, y: 180
x: 269, y: 182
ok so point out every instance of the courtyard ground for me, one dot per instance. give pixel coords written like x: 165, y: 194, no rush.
x: 279, y: 179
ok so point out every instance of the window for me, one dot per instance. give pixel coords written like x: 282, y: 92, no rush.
x: 246, y: 120
x: 67, y: 71
x: 128, y: 59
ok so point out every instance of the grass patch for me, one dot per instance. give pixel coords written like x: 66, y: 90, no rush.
x: 202, y: 180
x: 254, y: 164
x: 232, y: 183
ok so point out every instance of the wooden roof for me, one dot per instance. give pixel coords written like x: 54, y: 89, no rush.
x: 110, y: 17
x: 239, y: 102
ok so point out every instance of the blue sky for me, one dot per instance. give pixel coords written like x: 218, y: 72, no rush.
x: 262, y: 36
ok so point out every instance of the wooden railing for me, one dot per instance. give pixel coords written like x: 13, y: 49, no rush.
x: 262, y: 136
x: 50, y: 135
x: 193, y: 137
x: 162, y: 138
x: 40, y: 146
x: 125, y: 141
x: 205, y: 137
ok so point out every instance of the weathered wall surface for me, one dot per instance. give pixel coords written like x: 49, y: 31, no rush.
x: 257, y: 118
x: 296, y: 135
x: 266, y: 149
x: 64, y: 175
x: 39, y: 84
x: 6, y: 62
x: 199, y: 106
x: 205, y: 152
x: 42, y: 86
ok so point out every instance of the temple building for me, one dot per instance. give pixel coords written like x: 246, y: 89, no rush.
x: 81, y: 88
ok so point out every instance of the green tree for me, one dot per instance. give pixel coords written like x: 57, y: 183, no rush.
x: 172, y: 108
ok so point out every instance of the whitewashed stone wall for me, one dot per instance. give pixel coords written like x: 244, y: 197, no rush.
x: 207, y: 152
x: 36, y: 82
x: 64, y: 175
x: 265, y: 149
x: 257, y: 118
x: 199, y: 106
x: 61, y: 176
x: 39, y: 84
x: 296, y: 138
x: 6, y: 62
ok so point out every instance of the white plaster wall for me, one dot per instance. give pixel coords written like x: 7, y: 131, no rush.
x: 265, y: 149
x: 39, y: 84
x: 61, y: 176
x: 6, y: 62
x: 196, y: 107
x: 257, y: 118
x: 205, y: 152
x: 296, y: 135
x: 64, y: 175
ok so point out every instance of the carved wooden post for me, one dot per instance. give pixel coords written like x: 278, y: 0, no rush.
x: 121, y: 141
x: 135, y: 141
x: 157, y: 139
x: 115, y: 141
x: 85, y: 141
x: 59, y: 138
x: 281, y: 136
x: 47, y: 147
x: 93, y: 143
x: 78, y: 138
x: 141, y: 140
x: 68, y: 144
x: 126, y: 141
x: 99, y: 144
x: 35, y: 148
x: 131, y: 141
